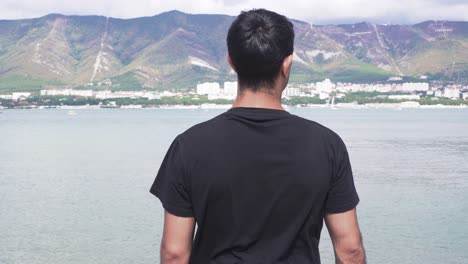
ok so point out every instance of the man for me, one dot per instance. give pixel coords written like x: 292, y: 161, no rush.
x: 257, y: 180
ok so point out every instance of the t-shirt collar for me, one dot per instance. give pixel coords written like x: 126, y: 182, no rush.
x: 258, y: 111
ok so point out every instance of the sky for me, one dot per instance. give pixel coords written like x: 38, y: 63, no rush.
x: 312, y: 11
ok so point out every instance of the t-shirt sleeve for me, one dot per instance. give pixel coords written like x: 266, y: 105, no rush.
x: 170, y: 185
x: 342, y: 195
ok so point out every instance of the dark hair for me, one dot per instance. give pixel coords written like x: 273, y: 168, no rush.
x: 258, y: 42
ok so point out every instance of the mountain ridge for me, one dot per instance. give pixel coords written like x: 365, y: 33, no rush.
x: 176, y: 50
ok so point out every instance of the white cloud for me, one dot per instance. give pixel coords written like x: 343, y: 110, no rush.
x: 315, y: 11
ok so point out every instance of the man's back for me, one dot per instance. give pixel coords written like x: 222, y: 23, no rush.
x: 258, y: 183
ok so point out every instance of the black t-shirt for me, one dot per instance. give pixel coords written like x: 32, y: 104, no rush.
x: 258, y: 183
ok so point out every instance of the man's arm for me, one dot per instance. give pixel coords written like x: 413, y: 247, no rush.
x: 177, y: 239
x: 346, y: 237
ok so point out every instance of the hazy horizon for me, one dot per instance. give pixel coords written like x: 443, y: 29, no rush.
x: 319, y: 12
x: 332, y: 22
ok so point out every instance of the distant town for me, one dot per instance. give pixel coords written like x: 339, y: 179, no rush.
x: 326, y: 92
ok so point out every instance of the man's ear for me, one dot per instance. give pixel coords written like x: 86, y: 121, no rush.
x: 287, y: 64
x: 230, y: 63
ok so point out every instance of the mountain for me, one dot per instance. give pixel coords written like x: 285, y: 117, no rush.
x: 177, y: 50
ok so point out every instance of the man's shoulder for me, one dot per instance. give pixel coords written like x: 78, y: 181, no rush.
x: 316, y: 127
x: 213, y: 127
x: 203, y: 129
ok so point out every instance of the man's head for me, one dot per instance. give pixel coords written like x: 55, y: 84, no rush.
x: 260, y: 46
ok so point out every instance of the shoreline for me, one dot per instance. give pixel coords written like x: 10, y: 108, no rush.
x: 394, y: 106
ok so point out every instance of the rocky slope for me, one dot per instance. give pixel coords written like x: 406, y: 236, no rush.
x: 177, y: 50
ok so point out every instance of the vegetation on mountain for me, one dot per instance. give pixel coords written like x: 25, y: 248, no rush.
x: 174, y: 50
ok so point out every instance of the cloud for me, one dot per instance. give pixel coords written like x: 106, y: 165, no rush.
x: 315, y: 11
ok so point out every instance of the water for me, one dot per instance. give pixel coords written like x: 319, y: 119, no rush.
x: 74, y: 189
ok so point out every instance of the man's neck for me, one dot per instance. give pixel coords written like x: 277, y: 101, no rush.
x: 259, y: 99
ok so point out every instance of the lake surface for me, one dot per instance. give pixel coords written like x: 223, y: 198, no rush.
x: 74, y: 189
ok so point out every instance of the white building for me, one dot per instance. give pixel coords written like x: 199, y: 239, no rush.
x: 169, y: 94
x: 103, y: 94
x: 83, y: 93
x: 465, y: 96
x: 6, y: 96
x: 230, y: 89
x: 325, y: 86
x: 290, y: 92
x: 127, y: 94
x: 405, y: 97
x: 67, y: 92
x: 412, y: 87
x: 53, y: 92
x: 16, y: 96
x: 395, y: 79
x: 452, y: 93
x: 353, y: 88
x: 323, y: 96
x: 370, y: 88
x: 152, y: 95
x: 383, y: 88
x: 208, y: 88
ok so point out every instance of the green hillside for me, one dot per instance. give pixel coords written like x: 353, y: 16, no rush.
x: 174, y: 50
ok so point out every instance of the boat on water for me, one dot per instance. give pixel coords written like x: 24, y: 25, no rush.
x: 331, y: 103
x: 410, y: 104
x: 110, y: 106
x: 71, y: 113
